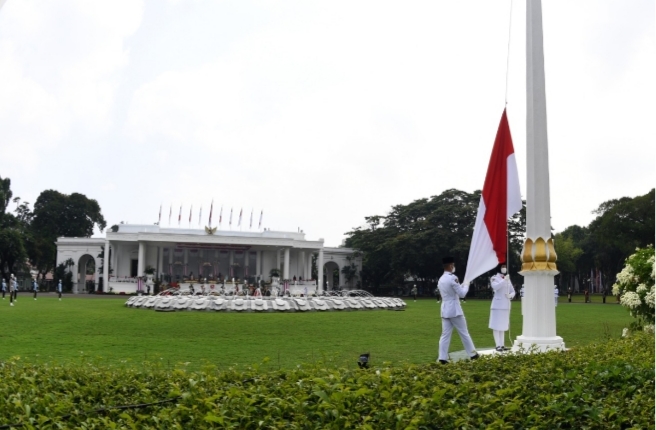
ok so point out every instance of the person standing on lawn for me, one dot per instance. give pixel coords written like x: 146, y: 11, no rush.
x: 13, y: 286
x: 59, y: 289
x: 35, y: 287
x: 414, y: 292
x: 451, y: 312
x: 4, y: 288
x: 500, y: 308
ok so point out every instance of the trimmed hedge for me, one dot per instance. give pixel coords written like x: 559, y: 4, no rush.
x: 609, y: 385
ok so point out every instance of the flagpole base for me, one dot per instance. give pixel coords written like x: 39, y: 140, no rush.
x: 538, y: 344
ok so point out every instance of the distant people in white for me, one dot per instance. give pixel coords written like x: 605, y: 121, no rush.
x: 555, y: 295
x: 500, y: 308
x: 451, y: 312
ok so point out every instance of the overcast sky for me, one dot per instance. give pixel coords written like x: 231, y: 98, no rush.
x: 319, y: 113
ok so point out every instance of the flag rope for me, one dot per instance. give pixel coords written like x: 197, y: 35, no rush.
x: 508, y: 51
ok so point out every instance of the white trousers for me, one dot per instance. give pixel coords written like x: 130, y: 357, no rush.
x: 498, y: 337
x: 460, y: 325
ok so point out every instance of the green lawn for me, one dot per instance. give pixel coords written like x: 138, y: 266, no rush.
x: 105, y: 331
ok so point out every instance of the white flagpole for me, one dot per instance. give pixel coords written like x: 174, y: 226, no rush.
x: 170, y: 213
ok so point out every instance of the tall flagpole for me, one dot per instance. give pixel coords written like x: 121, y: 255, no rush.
x: 538, y: 255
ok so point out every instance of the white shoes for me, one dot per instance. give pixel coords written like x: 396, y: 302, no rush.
x: 11, y: 304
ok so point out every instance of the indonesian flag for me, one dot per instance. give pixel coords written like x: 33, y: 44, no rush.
x: 261, y: 215
x: 230, y: 222
x: 191, y: 209
x: 221, y: 216
x: 240, y: 212
x: 211, y: 209
x: 159, y: 221
x: 180, y: 215
x: 251, y: 223
x: 500, y: 200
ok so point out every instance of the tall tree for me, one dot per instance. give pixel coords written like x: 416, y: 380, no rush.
x: 61, y: 215
x: 410, y: 241
x: 12, y: 246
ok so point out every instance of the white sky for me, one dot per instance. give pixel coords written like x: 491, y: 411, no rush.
x: 320, y: 113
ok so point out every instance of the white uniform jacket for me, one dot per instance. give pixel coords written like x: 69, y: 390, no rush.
x: 503, y: 292
x: 451, y: 292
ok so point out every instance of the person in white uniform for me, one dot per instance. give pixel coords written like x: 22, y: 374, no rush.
x: 451, y: 312
x: 555, y: 295
x: 500, y: 308
x: 13, y: 286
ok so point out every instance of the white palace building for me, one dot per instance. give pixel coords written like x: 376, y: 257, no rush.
x: 178, y: 255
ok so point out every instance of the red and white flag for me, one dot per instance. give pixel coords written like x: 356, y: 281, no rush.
x: 211, y: 209
x: 159, y: 221
x: 500, y: 200
x: 260, y: 224
x: 220, y: 216
x: 180, y: 215
x: 191, y: 209
x: 251, y: 223
x: 230, y: 222
x: 240, y: 212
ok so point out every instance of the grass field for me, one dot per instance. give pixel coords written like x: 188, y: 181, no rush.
x: 105, y: 331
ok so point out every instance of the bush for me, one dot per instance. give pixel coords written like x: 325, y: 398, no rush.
x: 635, y: 286
x: 610, y: 385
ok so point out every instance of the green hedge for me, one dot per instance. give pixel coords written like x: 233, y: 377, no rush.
x: 609, y: 385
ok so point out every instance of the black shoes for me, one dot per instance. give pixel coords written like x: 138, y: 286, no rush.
x: 443, y: 361
x: 474, y: 357
x: 502, y: 349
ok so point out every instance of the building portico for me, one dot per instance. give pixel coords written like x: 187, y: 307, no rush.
x: 175, y: 255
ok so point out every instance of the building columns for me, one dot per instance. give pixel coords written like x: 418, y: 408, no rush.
x: 160, y: 262
x: 141, y: 259
x: 320, y: 270
x: 106, y: 267
x: 285, y: 274
x: 258, y: 263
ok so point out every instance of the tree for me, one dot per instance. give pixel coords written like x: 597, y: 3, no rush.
x: 12, y: 246
x: 12, y: 252
x: 350, y: 270
x: 412, y: 239
x: 60, y: 215
x: 568, y: 255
